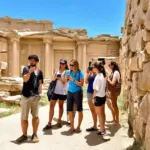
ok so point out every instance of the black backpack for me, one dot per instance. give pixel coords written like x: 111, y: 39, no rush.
x: 51, y: 89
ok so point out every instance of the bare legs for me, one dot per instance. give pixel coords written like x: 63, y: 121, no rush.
x: 80, y: 118
x: 35, y: 124
x: 52, y: 106
x: 94, y: 116
x: 109, y: 104
x: 51, y: 112
x: 61, y: 109
x: 115, y: 107
x: 24, y: 125
x: 100, y: 111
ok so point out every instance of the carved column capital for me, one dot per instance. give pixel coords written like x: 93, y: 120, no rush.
x: 82, y: 42
x: 47, y: 40
x: 14, y: 39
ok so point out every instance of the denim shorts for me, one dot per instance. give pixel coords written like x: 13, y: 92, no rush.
x: 89, y: 96
x: 75, y: 98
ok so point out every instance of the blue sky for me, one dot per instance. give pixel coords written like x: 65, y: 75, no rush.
x: 97, y: 16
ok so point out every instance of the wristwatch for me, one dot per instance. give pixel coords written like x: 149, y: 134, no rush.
x: 73, y: 80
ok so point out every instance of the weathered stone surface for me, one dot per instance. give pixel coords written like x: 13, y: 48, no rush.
x: 144, y: 4
x: 147, y: 20
x: 4, y: 94
x: 145, y: 78
x: 144, y: 108
x: 11, y: 84
x: 4, y: 110
x: 147, y: 136
x: 11, y: 99
x: 146, y: 35
x: 148, y: 47
x: 137, y: 74
x: 133, y: 64
x: 143, y: 57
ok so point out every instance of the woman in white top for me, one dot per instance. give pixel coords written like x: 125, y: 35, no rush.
x: 114, y: 86
x: 99, y: 95
x: 60, y: 93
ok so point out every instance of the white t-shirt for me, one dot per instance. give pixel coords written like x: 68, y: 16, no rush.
x: 100, y: 85
x: 117, y: 75
x: 60, y: 87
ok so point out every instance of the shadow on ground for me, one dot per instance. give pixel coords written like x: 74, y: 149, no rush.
x: 28, y: 141
x: 93, y: 140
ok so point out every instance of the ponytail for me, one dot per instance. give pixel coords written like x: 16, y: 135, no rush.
x: 100, y: 68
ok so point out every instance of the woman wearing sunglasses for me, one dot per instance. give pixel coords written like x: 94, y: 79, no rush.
x: 75, y: 94
x: 60, y: 93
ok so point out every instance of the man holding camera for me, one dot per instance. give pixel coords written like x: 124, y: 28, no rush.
x: 32, y: 88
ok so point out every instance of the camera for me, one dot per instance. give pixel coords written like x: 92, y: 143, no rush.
x: 58, y: 75
x: 90, y: 68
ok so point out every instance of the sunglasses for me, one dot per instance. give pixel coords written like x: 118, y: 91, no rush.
x: 71, y: 65
x: 62, y: 64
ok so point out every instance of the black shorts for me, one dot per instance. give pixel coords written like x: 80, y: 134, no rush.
x: 99, y: 101
x: 58, y: 97
x: 75, y: 98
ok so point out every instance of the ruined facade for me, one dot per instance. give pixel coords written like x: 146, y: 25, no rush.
x: 135, y: 60
x: 20, y: 38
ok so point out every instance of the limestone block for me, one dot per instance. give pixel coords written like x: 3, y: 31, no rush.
x: 8, y: 84
x: 148, y: 47
x: 133, y: 64
x: 147, y: 20
x: 143, y: 57
x: 139, y: 129
x: 144, y: 108
x: 144, y: 5
x: 134, y: 86
x: 3, y: 65
x: 146, y: 35
x: 139, y: 41
x: 11, y: 99
x: 132, y: 43
x: 4, y: 110
x: 147, y: 136
x: 125, y: 50
x: 125, y: 37
x: 4, y: 94
x: 139, y: 17
x: 129, y: 74
x: 144, y: 78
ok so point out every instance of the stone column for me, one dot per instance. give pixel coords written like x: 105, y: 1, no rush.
x: 49, y: 58
x: 82, y: 55
x: 84, y: 67
x: 79, y: 54
x: 14, y: 61
x: 74, y: 53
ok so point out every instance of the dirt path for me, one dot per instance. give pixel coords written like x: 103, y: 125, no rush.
x: 57, y: 139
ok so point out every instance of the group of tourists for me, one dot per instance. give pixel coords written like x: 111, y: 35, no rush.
x: 67, y: 85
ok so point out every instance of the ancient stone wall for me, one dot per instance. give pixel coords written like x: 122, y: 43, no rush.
x: 8, y: 23
x: 135, y: 64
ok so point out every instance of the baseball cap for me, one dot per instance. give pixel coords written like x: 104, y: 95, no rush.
x: 63, y: 61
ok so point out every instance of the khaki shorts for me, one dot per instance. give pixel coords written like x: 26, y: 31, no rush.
x: 27, y: 104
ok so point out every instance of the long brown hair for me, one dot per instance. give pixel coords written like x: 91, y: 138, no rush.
x: 76, y: 64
